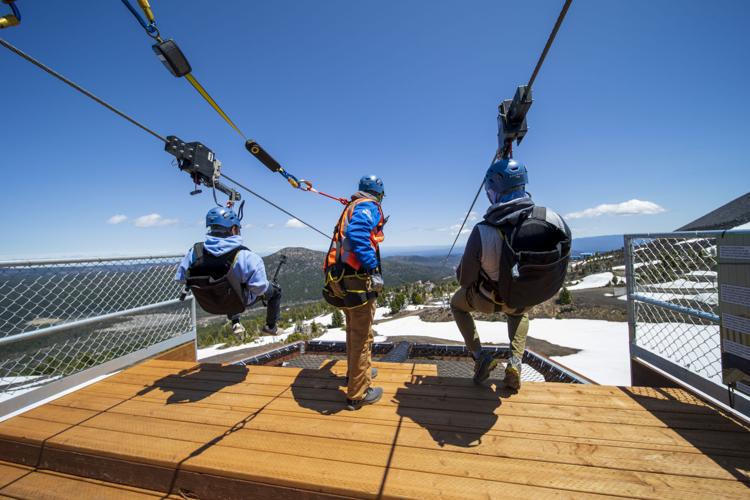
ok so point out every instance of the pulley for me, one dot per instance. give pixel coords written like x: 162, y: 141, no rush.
x: 200, y: 163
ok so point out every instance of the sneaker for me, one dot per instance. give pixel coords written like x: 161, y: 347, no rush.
x: 372, y: 396
x: 373, y: 374
x: 483, y: 366
x: 512, y: 378
x: 268, y: 330
x: 238, y: 329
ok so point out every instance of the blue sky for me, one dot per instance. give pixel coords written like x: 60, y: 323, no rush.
x: 638, y: 100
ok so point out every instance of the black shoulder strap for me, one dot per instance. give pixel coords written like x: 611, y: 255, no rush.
x: 232, y: 254
x: 198, y: 251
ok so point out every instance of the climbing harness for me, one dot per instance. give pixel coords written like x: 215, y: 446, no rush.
x: 206, y: 173
x: 175, y: 61
x: 511, y: 117
x: 345, y: 286
x: 13, y: 19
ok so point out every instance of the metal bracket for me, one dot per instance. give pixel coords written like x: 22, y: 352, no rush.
x: 511, y: 120
x: 200, y: 163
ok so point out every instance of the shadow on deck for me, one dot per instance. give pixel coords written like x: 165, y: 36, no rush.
x: 211, y: 431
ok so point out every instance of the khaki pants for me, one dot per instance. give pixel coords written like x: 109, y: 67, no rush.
x: 466, y: 300
x: 359, y: 348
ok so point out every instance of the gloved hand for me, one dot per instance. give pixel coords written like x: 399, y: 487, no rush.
x: 376, y: 282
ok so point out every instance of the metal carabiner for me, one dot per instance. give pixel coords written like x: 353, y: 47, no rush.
x: 13, y: 19
x: 306, y: 185
x: 150, y: 26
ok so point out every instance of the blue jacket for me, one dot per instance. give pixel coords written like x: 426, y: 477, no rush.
x: 248, y: 265
x: 365, y: 218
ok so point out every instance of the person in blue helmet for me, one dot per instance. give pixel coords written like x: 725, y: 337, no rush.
x: 225, y: 276
x: 353, y: 281
x: 495, y: 279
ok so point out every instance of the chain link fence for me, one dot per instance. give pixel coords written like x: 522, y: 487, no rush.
x: 63, y: 317
x: 674, y: 299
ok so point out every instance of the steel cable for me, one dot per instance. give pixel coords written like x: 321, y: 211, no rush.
x: 138, y: 124
x: 534, y: 74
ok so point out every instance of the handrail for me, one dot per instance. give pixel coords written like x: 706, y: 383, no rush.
x: 82, y: 260
x: 43, y: 332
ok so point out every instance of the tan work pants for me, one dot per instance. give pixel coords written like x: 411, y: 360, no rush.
x: 359, y: 347
x: 466, y: 300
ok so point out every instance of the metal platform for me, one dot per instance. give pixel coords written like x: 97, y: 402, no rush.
x: 210, y: 431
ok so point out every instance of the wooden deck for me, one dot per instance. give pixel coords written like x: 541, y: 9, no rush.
x: 206, y: 431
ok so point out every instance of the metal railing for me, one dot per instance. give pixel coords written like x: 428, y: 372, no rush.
x: 63, y: 322
x: 673, y: 308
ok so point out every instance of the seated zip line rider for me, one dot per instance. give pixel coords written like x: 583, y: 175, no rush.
x: 353, y: 279
x: 515, y: 258
x: 226, y: 277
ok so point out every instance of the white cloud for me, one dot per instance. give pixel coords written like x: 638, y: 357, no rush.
x: 152, y: 220
x: 294, y: 223
x: 453, y: 229
x: 117, y: 219
x: 630, y: 207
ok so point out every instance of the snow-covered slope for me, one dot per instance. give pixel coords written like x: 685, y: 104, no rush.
x: 597, y: 280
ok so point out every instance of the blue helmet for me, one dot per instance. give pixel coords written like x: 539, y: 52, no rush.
x: 372, y: 184
x: 504, y: 176
x: 223, y: 217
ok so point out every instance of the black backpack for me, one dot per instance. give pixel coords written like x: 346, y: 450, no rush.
x: 533, y: 261
x: 215, y: 287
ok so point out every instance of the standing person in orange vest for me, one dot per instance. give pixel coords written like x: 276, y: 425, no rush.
x: 353, y: 279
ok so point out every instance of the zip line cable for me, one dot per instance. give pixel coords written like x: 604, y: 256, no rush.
x: 80, y: 89
x: 534, y: 74
x: 236, y: 183
x: 177, y: 64
x: 138, y: 124
x: 551, y: 39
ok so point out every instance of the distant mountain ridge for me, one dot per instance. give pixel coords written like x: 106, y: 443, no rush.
x: 301, y: 277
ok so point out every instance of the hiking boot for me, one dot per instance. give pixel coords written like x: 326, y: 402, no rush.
x: 238, y: 329
x: 372, y: 396
x: 512, y: 378
x: 483, y: 366
x: 373, y: 374
x: 270, y: 330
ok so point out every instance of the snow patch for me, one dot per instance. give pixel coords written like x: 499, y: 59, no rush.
x: 597, y: 280
x: 604, y: 355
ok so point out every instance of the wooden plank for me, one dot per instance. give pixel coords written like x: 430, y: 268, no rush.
x: 423, y: 411
x: 436, y: 461
x: 185, y: 352
x: 223, y: 415
x: 543, y: 395
x: 601, y: 456
x: 31, y: 430
x: 10, y: 473
x: 46, y: 485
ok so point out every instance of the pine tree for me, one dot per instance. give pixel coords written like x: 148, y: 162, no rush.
x: 337, y: 320
x: 565, y: 298
x: 397, y: 303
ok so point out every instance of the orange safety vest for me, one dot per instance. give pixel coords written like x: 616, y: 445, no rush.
x: 340, y: 250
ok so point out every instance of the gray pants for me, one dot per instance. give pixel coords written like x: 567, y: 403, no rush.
x: 466, y: 300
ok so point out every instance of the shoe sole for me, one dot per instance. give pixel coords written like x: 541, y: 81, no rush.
x: 362, y: 403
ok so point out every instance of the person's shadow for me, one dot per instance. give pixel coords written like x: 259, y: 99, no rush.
x: 197, y: 383
x: 453, y: 410
x: 320, y: 389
